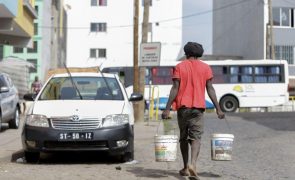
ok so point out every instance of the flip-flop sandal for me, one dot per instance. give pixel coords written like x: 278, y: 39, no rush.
x: 183, y: 173
x: 192, y: 172
x: 194, y: 178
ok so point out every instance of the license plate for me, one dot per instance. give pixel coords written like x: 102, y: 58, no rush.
x: 75, y: 136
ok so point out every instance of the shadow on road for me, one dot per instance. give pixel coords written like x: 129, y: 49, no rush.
x: 209, y: 174
x: 279, y: 121
x: 71, y: 158
x: 141, y: 172
x: 153, y: 173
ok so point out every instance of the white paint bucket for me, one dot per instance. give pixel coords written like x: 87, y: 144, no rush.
x: 166, y: 148
x: 221, y: 147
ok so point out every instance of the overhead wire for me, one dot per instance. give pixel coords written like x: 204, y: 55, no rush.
x: 160, y: 21
x: 287, y: 1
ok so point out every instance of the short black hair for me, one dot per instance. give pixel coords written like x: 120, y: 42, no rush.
x: 193, y: 49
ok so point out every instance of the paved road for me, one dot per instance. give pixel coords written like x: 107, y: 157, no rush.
x: 263, y: 149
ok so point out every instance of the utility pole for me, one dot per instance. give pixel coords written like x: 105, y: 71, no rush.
x: 270, y: 51
x: 135, y: 58
x: 139, y: 73
x: 145, y: 25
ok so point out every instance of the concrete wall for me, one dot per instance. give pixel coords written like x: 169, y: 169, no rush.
x: 238, y: 30
x: 282, y: 35
x: 16, y: 22
x: 283, y: 3
x: 118, y: 40
x: 24, y: 19
x: 58, y: 35
x: 45, y: 43
x: 43, y: 54
x: 11, y: 5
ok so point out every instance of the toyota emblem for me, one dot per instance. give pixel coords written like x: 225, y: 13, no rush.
x: 75, y: 118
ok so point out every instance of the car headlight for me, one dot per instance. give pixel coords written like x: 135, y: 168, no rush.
x: 115, y: 120
x: 37, y: 120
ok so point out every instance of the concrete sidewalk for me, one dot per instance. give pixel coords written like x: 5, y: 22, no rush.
x: 146, y: 165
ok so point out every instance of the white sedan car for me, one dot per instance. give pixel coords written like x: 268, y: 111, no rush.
x: 80, y: 112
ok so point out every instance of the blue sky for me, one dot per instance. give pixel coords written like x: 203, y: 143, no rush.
x: 198, y: 28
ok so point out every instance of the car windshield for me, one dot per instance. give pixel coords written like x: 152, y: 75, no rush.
x: 91, y: 88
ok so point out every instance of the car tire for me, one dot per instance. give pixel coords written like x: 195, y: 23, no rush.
x: 127, y: 157
x: 229, y: 104
x: 0, y: 122
x: 14, y: 123
x: 32, y: 157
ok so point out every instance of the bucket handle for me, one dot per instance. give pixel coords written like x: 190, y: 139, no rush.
x: 163, y: 124
x: 227, y: 124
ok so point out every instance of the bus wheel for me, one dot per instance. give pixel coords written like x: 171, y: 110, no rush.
x: 229, y: 104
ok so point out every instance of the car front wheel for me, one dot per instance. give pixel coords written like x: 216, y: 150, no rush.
x: 127, y: 157
x: 0, y: 122
x: 32, y: 157
x: 14, y: 123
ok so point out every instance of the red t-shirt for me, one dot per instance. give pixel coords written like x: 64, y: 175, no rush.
x: 193, y: 75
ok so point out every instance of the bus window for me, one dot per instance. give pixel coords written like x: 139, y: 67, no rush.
x: 274, y: 76
x: 260, y: 74
x: 246, y: 74
x: 268, y: 74
x: 219, y: 74
x: 274, y: 70
x: 241, y: 74
x: 162, y: 75
x: 147, y: 76
x: 122, y: 77
x: 128, y: 76
x: 273, y: 79
x: 234, y: 71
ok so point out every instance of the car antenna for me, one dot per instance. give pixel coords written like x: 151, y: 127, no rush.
x: 72, y: 81
x: 105, y: 81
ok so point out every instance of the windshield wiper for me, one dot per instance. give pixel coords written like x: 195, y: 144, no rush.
x: 72, y: 81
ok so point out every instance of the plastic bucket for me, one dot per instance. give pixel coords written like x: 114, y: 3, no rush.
x: 221, y: 147
x: 165, y: 148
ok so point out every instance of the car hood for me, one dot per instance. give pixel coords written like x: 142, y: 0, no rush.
x: 60, y: 108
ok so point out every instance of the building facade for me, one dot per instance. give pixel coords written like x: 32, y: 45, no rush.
x: 39, y: 54
x: 105, y: 33
x: 16, y: 22
x: 58, y: 34
x: 46, y: 40
x: 240, y: 28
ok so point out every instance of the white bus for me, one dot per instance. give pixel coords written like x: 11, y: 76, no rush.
x: 238, y: 83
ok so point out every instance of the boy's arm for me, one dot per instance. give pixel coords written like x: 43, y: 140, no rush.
x: 172, y: 96
x: 212, y: 95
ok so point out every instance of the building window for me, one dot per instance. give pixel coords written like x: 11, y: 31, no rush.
x: 98, y: 27
x: 18, y: 50
x: 34, y: 49
x: 34, y: 62
x: 98, y: 53
x: 37, y: 9
x: 35, y: 29
x: 99, y: 2
x: 1, y: 52
x: 150, y: 2
x: 286, y: 53
x: 283, y: 17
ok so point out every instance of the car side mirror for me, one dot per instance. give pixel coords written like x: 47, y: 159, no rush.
x: 4, y: 89
x: 30, y: 97
x: 136, y: 97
